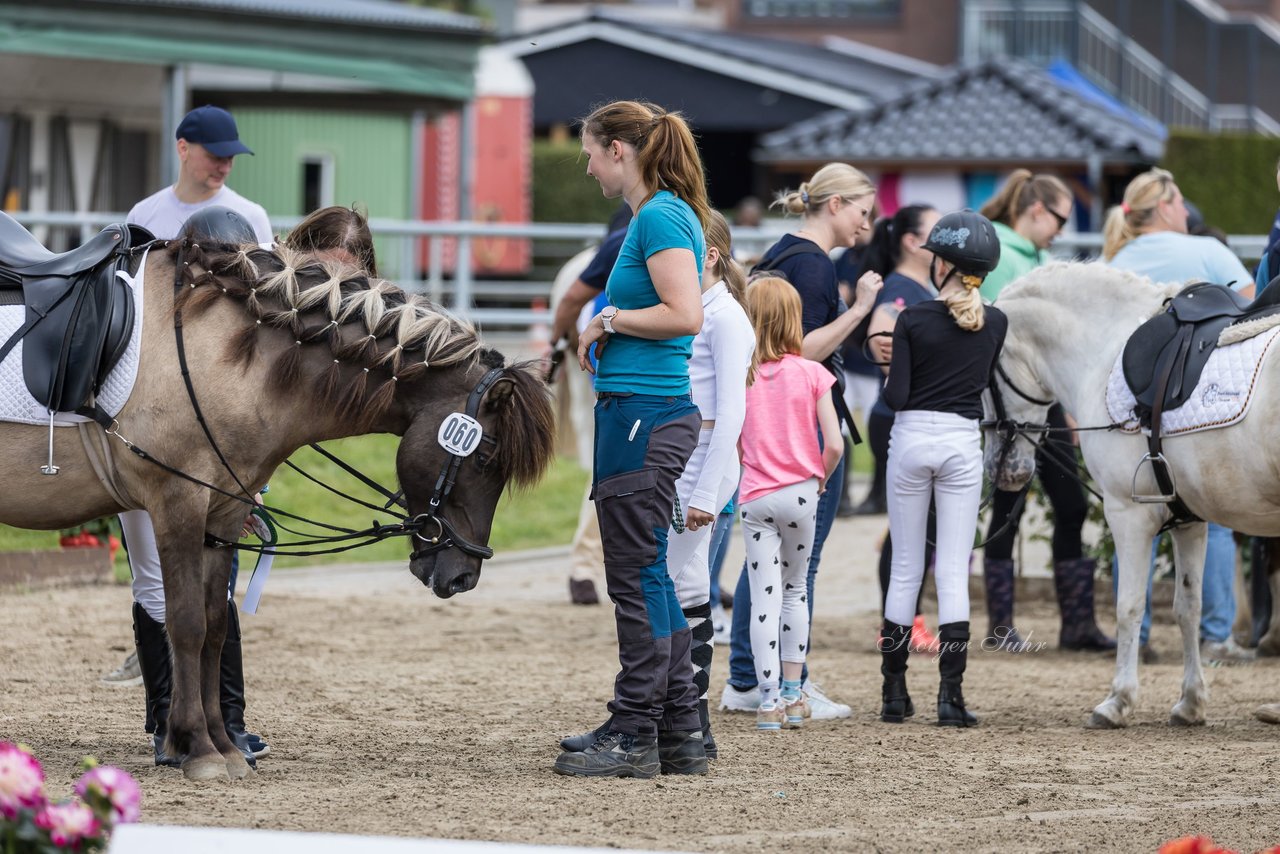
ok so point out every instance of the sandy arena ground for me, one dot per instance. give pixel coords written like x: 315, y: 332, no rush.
x: 391, y: 712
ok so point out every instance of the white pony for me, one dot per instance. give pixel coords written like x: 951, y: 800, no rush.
x: 1067, y: 326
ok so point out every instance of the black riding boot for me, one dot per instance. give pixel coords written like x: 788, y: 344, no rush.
x: 1073, y: 582
x: 156, y: 664
x: 952, y: 658
x: 895, y: 647
x: 232, y: 691
x: 708, y: 740
x: 997, y: 576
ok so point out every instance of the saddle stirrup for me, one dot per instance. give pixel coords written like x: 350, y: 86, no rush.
x: 50, y: 468
x: 1162, y: 496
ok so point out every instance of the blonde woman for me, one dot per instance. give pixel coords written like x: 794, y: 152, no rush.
x: 835, y: 207
x: 943, y: 353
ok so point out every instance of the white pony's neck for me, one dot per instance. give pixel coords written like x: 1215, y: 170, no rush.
x: 1070, y: 321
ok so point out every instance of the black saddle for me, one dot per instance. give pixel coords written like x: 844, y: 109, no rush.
x: 1175, y: 346
x: 79, y: 314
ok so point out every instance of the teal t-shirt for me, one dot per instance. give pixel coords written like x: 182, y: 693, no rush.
x: 641, y: 365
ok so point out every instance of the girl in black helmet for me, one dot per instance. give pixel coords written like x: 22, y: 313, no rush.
x: 944, y: 351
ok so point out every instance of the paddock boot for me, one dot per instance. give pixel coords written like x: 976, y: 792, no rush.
x: 579, y: 743
x: 895, y: 648
x: 614, y: 754
x: 154, y: 661
x: 997, y: 576
x: 1073, y: 582
x: 952, y: 659
x: 708, y: 740
x: 232, y: 681
x: 681, y: 752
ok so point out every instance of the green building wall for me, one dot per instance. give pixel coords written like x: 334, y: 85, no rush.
x: 370, y: 154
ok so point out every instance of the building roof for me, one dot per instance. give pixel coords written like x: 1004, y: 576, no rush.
x: 840, y: 78
x: 1001, y: 111
x: 377, y: 13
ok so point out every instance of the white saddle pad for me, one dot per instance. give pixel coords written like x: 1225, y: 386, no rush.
x: 17, y: 404
x: 1221, y: 397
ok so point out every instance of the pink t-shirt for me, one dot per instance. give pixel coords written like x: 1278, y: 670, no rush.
x: 780, y: 433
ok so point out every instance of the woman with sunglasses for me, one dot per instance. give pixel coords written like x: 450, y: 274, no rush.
x: 834, y: 206
x: 1028, y: 213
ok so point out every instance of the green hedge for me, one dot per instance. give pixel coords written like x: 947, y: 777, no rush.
x: 562, y: 190
x: 1230, y: 177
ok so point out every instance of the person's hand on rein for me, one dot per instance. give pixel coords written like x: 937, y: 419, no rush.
x: 593, y: 334
x: 695, y: 519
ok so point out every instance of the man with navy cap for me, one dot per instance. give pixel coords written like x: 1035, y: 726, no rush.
x: 207, y: 143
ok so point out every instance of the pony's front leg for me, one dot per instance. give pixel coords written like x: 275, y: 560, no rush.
x: 1132, y: 527
x: 217, y: 576
x: 179, y: 527
x: 1189, y: 544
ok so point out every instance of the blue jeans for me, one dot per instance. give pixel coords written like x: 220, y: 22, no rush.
x: 719, y: 548
x: 742, y: 668
x: 1218, y: 600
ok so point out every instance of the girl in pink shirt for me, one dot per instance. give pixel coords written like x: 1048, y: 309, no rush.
x: 783, y: 472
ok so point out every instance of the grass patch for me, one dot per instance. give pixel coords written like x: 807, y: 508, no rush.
x: 21, y: 540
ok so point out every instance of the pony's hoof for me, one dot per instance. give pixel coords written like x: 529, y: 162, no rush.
x: 237, y: 768
x: 1097, y: 720
x: 201, y: 770
x: 1181, y: 719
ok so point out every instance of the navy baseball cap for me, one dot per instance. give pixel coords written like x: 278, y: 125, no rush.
x: 215, y: 129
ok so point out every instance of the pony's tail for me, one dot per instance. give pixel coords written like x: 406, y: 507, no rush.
x: 966, y: 306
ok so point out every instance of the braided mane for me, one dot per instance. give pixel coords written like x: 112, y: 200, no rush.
x: 379, y: 336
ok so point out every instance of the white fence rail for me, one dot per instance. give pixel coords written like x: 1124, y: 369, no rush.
x: 509, y: 304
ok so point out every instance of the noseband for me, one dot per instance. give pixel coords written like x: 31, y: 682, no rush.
x: 431, y: 527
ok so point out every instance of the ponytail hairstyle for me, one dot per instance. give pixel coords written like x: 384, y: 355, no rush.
x: 665, y: 150
x: 726, y: 269
x: 1141, y: 198
x: 966, y: 305
x: 774, y: 308
x: 1020, y: 191
x: 834, y: 179
x: 884, y: 253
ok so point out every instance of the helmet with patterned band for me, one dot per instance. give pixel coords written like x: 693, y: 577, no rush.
x: 966, y: 239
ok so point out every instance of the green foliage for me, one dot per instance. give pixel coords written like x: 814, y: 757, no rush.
x: 562, y: 190
x: 1230, y: 177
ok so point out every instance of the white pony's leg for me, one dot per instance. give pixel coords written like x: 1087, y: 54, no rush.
x: 1132, y: 527
x: 1189, y: 543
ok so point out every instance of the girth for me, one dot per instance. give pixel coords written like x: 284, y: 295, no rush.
x: 79, y: 313
x: 1164, y: 359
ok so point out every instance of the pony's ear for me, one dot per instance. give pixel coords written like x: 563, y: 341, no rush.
x: 500, y: 395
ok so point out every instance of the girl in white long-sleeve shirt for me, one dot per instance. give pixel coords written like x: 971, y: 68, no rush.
x: 718, y: 379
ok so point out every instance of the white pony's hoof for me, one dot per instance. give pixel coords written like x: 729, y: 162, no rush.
x: 1097, y: 720
x: 1179, y: 717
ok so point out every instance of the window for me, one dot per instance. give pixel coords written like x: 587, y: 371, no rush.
x: 823, y: 9
x: 317, y: 182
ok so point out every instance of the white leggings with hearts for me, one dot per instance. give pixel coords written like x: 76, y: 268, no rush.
x: 779, y: 535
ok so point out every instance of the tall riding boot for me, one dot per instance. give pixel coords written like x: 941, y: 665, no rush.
x: 232, y: 691
x: 1073, y: 581
x: 708, y: 740
x: 952, y: 658
x: 895, y: 648
x: 155, y: 662
x: 997, y: 575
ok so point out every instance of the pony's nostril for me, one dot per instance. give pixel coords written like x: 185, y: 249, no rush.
x: 461, y: 584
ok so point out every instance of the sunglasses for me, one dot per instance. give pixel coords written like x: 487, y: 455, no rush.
x: 1062, y: 220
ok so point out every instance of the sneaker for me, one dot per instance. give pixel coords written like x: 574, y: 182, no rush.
x: 770, y: 716
x: 1226, y: 652
x: 922, y: 640
x: 797, y: 709
x: 822, y: 707
x: 614, y: 754
x: 126, y: 675
x: 733, y: 700
x: 720, y: 625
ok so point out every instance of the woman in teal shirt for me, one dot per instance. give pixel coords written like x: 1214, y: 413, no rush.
x: 646, y: 429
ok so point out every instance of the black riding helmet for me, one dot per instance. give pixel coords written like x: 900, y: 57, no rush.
x: 218, y: 224
x: 966, y: 239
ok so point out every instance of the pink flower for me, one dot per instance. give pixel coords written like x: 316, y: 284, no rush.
x: 68, y: 823
x: 108, y: 786
x: 21, y: 780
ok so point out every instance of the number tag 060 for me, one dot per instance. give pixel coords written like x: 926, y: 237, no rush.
x: 460, y: 434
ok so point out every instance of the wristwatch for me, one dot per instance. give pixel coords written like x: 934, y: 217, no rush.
x: 607, y: 314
